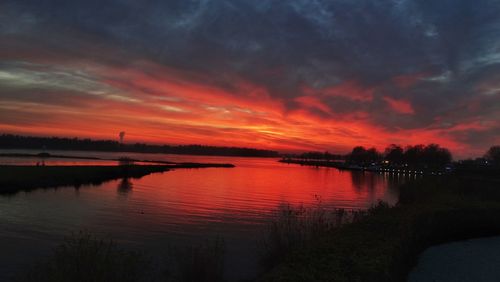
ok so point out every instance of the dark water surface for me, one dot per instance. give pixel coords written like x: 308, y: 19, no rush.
x: 178, y: 207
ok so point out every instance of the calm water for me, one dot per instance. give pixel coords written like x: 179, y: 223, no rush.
x: 178, y: 207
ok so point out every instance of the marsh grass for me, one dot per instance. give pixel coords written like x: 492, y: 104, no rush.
x: 296, y: 227
x: 202, y: 262
x: 385, y: 244
x: 82, y: 257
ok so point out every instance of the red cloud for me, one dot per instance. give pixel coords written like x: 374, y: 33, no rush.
x: 156, y: 104
x: 400, y: 106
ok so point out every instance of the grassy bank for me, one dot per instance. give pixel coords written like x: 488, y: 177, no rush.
x: 84, y: 257
x: 384, y: 245
x: 24, y: 178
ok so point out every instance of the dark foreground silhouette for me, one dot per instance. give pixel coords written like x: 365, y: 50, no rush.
x: 384, y: 245
x: 83, y: 257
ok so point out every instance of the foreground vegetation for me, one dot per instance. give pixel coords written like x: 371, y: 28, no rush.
x: 384, y: 245
x: 297, y: 227
x: 83, y: 257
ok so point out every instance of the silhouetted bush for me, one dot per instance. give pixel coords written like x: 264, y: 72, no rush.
x: 493, y: 155
x: 384, y: 245
x: 361, y: 155
x: 295, y: 227
x: 83, y: 258
x: 202, y: 262
x: 394, y: 154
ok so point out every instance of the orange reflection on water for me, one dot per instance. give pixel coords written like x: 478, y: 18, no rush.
x: 254, y: 188
x: 184, y: 206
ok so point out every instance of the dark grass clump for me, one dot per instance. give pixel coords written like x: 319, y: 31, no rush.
x: 297, y: 227
x: 385, y: 244
x: 203, y: 262
x: 26, y: 178
x: 84, y: 258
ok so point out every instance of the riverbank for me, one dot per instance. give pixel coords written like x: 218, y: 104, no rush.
x: 385, y: 245
x: 373, y: 168
x: 24, y: 178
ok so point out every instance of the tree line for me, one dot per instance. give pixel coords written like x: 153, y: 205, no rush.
x: 416, y: 156
x: 9, y: 141
x: 430, y: 156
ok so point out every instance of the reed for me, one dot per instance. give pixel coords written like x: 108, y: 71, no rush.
x: 297, y: 227
x: 201, y: 262
x: 82, y: 257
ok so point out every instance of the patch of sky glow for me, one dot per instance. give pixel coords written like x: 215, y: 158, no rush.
x: 218, y: 109
x: 122, y: 98
x: 24, y: 75
x: 172, y: 109
x: 168, y: 98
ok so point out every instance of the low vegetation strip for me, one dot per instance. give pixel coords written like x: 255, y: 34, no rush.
x: 84, y: 257
x: 19, y: 178
x: 23, y: 178
x: 384, y: 245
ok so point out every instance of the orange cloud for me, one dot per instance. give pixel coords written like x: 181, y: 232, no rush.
x: 162, y: 105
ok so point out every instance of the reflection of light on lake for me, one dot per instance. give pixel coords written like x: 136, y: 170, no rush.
x: 183, y: 206
x: 124, y: 187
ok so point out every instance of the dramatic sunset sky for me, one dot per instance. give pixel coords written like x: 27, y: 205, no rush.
x: 286, y: 75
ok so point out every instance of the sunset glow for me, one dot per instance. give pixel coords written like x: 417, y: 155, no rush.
x: 233, y: 74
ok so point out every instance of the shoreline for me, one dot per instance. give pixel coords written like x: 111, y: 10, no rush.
x: 17, y: 178
x: 386, y: 244
x: 355, y: 167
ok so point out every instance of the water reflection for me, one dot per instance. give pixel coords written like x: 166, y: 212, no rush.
x: 124, y: 187
x: 185, y: 205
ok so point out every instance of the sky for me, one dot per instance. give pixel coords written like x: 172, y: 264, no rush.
x: 289, y: 75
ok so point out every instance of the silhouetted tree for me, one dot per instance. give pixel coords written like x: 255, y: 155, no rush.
x: 413, y: 154
x: 435, y: 156
x: 372, y: 155
x: 394, y: 154
x: 361, y: 155
x: 358, y: 154
x: 493, y: 155
x: 430, y: 156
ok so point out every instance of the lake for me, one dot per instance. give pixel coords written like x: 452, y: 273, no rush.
x: 178, y: 207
